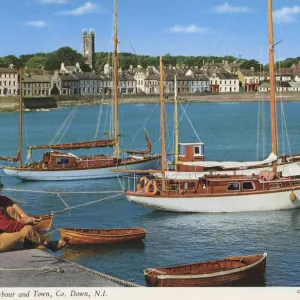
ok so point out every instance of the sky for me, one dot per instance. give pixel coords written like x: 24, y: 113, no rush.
x: 154, y: 27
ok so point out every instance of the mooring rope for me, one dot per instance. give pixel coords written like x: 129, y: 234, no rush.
x: 43, y: 269
x: 55, y: 192
x: 84, y: 204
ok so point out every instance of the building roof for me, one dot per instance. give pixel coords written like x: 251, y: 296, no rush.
x: 249, y: 72
x: 227, y: 76
x: 7, y: 70
x: 266, y: 83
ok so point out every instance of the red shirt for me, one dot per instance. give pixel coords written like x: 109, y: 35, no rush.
x: 6, y: 224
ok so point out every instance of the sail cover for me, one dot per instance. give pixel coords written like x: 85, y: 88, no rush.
x: 79, y: 145
x: 148, y: 150
x: 231, y: 164
x: 12, y: 159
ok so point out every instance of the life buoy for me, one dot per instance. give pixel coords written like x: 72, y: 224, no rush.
x: 151, y: 188
x: 292, y: 196
x: 142, y: 183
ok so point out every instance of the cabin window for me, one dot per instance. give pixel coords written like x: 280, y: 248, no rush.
x: 273, y: 186
x: 182, y: 150
x: 104, y: 162
x: 295, y: 183
x: 248, y: 185
x: 197, y: 150
x: 62, y: 161
x: 233, y: 186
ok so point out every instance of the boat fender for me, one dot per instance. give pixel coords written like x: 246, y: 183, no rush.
x: 142, y: 183
x: 293, y: 196
x: 151, y: 188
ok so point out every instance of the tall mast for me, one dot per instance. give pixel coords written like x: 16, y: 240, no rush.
x: 272, y: 83
x: 162, y: 124
x: 20, y: 118
x: 176, y: 124
x: 115, y: 102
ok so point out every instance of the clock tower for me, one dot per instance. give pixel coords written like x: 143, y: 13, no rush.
x: 88, y: 47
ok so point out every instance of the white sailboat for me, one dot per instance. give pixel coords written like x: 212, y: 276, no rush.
x: 67, y: 166
x: 223, y: 193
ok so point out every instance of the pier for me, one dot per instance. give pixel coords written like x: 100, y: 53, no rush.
x: 39, y: 268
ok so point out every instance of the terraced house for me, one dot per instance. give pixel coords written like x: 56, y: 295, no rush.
x: 249, y: 79
x: 9, y: 83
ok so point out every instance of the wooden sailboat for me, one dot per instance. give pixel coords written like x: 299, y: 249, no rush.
x: 85, y: 236
x: 65, y: 166
x: 224, y: 193
x: 45, y: 221
x: 230, y: 271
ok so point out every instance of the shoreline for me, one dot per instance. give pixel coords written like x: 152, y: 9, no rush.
x: 11, y: 104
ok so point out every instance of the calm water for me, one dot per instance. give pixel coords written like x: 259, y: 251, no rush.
x: 229, y: 131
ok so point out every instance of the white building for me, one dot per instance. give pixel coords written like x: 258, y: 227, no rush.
x: 9, y: 82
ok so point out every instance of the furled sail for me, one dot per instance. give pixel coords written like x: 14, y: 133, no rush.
x: 12, y: 159
x: 231, y: 164
x: 72, y: 146
x: 148, y: 150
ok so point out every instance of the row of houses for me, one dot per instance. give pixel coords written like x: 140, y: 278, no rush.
x: 218, y: 78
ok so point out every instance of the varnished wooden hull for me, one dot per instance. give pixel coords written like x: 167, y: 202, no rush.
x: 80, y: 173
x: 102, y: 236
x: 45, y: 223
x: 214, y: 273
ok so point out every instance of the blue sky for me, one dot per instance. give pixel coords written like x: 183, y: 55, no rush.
x: 154, y: 27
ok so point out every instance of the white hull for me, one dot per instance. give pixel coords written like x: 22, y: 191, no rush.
x: 94, y: 173
x: 237, y: 203
x: 291, y: 169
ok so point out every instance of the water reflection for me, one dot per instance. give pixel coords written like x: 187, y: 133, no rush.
x: 75, y: 252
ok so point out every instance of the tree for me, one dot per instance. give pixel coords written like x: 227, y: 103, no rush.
x: 9, y: 60
x: 66, y: 55
x: 36, y: 62
x: 247, y: 64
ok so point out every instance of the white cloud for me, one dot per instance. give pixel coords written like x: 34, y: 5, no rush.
x: 286, y: 14
x: 53, y: 1
x: 188, y: 29
x: 86, y: 8
x: 227, y: 8
x: 38, y: 24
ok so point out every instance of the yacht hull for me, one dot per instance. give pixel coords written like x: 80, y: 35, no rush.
x: 79, y: 174
x: 263, y: 201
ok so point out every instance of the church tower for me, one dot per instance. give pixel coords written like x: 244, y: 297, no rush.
x: 88, y: 47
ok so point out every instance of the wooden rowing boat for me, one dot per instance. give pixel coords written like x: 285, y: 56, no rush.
x: 102, y: 236
x: 45, y: 223
x: 232, y: 271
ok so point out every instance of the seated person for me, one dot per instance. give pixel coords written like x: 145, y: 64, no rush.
x: 16, y: 226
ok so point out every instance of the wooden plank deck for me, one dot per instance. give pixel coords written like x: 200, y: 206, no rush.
x: 73, y: 275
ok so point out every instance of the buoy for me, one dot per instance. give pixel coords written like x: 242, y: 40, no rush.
x: 292, y: 196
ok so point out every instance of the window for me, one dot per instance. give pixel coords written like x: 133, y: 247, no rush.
x: 197, y: 151
x: 273, y: 186
x: 248, y: 185
x: 233, y: 186
x: 181, y: 150
x: 62, y: 161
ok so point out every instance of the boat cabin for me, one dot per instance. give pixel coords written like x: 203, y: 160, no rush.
x: 190, y: 152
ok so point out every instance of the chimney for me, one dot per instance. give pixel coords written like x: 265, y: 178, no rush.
x: 223, y: 62
x: 213, y: 61
x: 252, y: 68
x: 203, y: 62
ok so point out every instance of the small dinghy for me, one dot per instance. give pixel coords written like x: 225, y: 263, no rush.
x: 229, y: 271
x: 45, y: 222
x: 102, y: 236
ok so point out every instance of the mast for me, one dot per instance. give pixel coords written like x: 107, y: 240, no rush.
x: 115, y: 101
x: 20, y: 119
x: 272, y: 83
x: 176, y: 123
x: 162, y: 124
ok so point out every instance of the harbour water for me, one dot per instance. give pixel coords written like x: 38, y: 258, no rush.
x: 229, y: 131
